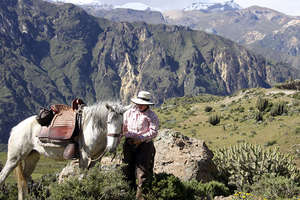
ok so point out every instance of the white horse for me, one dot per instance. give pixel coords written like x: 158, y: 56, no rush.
x: 101, y: 128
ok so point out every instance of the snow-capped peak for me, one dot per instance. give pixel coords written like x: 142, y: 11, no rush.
x: 137, y: 6
x: 207, y: 5
x: 78, y: 2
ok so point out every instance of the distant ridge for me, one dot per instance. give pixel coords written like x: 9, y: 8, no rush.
x: 137, y: 6
x: 213, y: 5
x: 78, y: 2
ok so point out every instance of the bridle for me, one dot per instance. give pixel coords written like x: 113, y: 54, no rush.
x: 115, y: 135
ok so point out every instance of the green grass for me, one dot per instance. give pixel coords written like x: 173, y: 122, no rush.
x: 238, y: 122
x: 44, y: 166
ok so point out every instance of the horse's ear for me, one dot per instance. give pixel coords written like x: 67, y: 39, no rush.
x: 109, y: 107
x: 125, y: 108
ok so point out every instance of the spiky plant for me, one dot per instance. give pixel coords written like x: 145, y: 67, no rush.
x: 261, y: 104
x: 239, y: 164
x: 214, y: 119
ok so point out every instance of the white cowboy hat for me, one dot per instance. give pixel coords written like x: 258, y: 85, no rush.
x: 143, y: 98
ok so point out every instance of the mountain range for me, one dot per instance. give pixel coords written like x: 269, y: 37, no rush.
x: 265, y: 31
x: 212, y: 5
x: 203, y: 5
x: 52, y: 53
x: 262, y: 30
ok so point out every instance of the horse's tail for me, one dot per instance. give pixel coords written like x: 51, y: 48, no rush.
x: 22, y: 183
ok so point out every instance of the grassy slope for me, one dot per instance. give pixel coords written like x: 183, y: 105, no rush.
x: 187, y: 115
x: 44, y: 166
x: 238, y: 122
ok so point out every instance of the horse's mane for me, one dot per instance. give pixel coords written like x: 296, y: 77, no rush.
x: 98, y: 113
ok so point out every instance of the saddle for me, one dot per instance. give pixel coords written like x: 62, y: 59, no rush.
x: 64, y: 127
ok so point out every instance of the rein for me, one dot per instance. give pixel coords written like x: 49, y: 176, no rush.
x: 114, y: 134
x: 79, y: 112
x: 103, y: 153
x: 99, y: 158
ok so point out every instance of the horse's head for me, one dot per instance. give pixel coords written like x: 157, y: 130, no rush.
x: 114, y: 125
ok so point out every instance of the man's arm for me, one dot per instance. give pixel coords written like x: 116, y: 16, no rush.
x: 149, y: 133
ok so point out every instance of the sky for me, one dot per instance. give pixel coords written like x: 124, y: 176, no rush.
x: 290, y: 7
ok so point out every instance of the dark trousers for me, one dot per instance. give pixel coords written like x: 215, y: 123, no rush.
x: 139, y: 163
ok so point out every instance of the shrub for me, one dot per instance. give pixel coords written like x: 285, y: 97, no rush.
x: 208, y: 109
x: 278, y: 109
x: 8, y: 191
x: 241, y: 109
x: 297, y: 130
x: 238, y: 165
x: 270, y: 143
x: 214, y: 119
x: 296, y: 95
x: 210, y: 189
x: 261, y: 104
x: 39, y: 190
x: 168, y: 187
x: 110, y: 185
x: 96, y: 184
x: 259, y: 116
x: 275, y: 187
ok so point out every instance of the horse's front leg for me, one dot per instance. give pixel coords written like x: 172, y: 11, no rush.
x: 83, y: 158
x: 69, y: 170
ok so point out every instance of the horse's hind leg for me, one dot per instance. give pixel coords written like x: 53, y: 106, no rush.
x: 10, y: 164
x: 30, y: 163
x: 13, y: 158
x: 24, y: 173
x: 19, y: 146
x: 22, y: 183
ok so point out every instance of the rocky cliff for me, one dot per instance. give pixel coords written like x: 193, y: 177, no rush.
x: 266, y: 31
x: 127, y: 15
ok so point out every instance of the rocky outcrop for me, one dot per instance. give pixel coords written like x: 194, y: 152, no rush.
x: 184, y: 157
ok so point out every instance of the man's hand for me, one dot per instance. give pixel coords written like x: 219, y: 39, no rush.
x: 133, y: 142
x: 136, y: 142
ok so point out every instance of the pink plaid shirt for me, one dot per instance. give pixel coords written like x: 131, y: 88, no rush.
x: 141, y: 126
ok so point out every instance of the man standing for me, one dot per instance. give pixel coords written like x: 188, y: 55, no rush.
x: 139, y: 128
